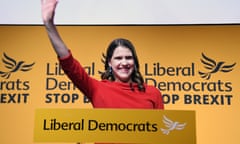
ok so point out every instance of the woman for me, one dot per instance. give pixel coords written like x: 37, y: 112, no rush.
x: 121, y: 85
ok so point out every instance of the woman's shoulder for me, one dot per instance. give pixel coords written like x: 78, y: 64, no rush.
x: 151, y: 89
x: 149, y: 86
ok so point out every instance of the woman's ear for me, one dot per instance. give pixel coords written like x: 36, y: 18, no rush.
x: 109, y: 64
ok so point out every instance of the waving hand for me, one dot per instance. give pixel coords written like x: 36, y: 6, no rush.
x: 48, y: 10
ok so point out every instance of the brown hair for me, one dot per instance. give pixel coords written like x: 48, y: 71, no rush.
x: 136, y: 75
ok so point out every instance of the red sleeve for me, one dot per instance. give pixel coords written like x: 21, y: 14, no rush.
x: 77, y: 74
x: 159, y: 103
x: 157, y: 98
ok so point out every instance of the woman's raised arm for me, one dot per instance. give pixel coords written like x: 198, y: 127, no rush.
x: 48, y: 13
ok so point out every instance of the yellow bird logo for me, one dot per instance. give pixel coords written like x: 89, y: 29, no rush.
x: 171, y: 125
x: 213, y: 67
x: 14, y: 66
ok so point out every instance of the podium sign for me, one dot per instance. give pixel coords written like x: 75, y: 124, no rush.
x: 115, y: 126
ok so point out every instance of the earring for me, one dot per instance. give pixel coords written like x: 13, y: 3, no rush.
x: 110, y: 74
x: 135, y: 68
x: 110, y: 70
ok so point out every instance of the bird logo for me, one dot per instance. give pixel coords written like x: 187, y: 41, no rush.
x: 14, y: 66
x: 171, y: 125
x: 212, y: 66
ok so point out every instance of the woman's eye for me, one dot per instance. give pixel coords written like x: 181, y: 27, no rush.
x: 129, y: 57
x: 126, y: 57
x: 118, y: 58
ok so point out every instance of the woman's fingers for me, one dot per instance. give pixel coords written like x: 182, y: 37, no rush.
x: 48, y: 9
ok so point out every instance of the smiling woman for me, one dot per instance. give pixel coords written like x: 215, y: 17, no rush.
x: 122, y: 84
x: 121, y: 63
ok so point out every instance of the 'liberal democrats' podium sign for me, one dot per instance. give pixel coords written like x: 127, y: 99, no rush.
x: 115, y: 125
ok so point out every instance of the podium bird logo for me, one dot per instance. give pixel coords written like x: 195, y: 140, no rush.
x: 171, y: 125
x: 13, y: 66
x: 213, y: 67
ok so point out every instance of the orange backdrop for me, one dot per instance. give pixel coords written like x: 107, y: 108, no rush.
x: 195, y: 67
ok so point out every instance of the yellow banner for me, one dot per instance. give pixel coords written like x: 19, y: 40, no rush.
x: 196, y: 67
x: 115, y: 125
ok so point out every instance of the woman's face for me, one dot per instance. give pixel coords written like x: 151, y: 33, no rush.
x: 122, y: 64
